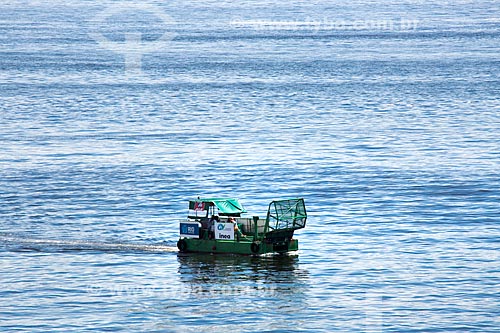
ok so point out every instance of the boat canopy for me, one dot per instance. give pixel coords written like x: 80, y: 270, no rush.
x: 225, y: 206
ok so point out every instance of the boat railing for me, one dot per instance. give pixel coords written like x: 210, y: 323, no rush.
x: 248, y: 226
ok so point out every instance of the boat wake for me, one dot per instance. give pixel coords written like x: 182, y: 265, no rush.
x: 21, y: 244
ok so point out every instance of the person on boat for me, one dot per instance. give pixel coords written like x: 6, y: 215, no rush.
x: 237, y: 230
x: 211, y: 225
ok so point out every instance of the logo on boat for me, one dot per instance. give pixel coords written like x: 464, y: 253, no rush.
x: 189, y: 229
x: 224, y: 231
x: 199, y: 206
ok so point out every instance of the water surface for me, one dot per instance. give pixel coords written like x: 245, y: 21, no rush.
x: 383, y: 115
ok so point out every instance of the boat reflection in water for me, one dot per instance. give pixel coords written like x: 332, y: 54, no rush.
x: 232, y: 278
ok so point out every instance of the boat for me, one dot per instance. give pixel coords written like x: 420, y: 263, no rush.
x: 217, y: 225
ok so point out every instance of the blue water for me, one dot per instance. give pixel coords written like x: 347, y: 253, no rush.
x: 383, y: 115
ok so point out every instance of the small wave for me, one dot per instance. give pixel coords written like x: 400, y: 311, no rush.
x: 17, y: 244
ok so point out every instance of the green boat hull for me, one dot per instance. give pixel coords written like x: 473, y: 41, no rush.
x: 237, y: 247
